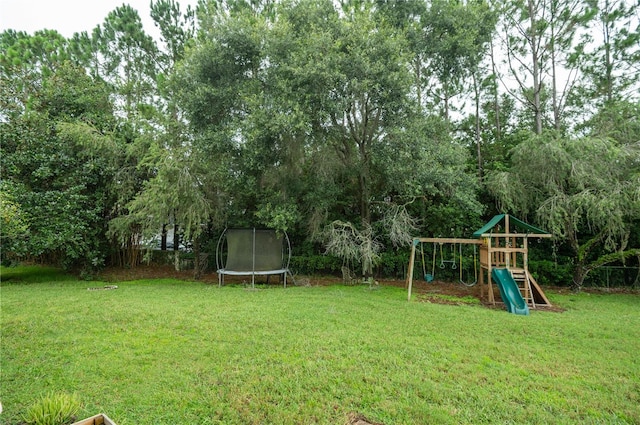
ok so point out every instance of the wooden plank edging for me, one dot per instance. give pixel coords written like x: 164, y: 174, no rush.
x: 100, y: 419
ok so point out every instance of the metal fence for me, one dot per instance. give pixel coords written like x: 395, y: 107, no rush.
x: 614, y: 277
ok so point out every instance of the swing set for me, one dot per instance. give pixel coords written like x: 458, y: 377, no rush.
x: 450, y: 259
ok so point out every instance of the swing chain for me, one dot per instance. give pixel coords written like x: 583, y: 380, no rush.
x: 453, y: 261
x: 475, y: 266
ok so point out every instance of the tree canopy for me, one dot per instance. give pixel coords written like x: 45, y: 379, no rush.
x: 383, y: 119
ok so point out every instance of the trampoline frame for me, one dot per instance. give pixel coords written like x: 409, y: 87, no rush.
x: 256, y: 269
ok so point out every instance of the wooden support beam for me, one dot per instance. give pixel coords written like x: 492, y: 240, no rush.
x: 449, y: 240
x: 516, y: 235
x: 539, y: 291
x: 511, y: 250
x: 412, y: 260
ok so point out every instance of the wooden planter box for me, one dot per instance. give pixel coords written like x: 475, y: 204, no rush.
x: 100, y: 419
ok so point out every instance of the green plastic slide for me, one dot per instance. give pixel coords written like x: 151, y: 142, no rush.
x: 510, y: 292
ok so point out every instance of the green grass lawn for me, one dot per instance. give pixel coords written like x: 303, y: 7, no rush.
x: 174, y: 352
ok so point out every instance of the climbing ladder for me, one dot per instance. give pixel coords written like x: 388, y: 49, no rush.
x: 529, y: 288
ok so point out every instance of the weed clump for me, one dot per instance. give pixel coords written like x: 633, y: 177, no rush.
x: 53, y: 409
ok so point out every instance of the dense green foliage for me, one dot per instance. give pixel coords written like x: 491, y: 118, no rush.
x: 175, y: 352
x: 396, y: 119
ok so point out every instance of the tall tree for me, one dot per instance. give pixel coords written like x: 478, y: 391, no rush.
x: 538, y: 38
x: 609, y: 53
x: 372, y: 98
x: 177, y: 28
x: 50, y: 157
x: 456, y: 36
x: 127, y: 54
x: 365, y: 133
x: 168, y: 128
x: 217, y: 87
x: 584, y: 191
x: 25, y: 61
x: 178, y: 186
x: 566, y: 18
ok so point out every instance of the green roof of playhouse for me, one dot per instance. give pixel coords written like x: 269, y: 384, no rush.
x: 528, y: 228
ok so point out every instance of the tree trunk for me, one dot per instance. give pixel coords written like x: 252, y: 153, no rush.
x: 554, y: 80
x: 535, y: 45
x: 606, y: 36
x: 176, y: 251
x: 446, y: 107
x: 608, y: 258
x: 579, y: 274
x: 477, y: 129
x: 176, y: 260
x: 417, y: 67
x: 496, y: 97
x: 196, y: 259
x: 163, y: 238
x: 176, y: 238
x: 365, y: 201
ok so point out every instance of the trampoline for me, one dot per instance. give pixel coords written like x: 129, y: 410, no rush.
x: 253, y: 252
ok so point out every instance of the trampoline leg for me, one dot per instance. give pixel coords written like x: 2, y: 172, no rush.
x: 291, y: 275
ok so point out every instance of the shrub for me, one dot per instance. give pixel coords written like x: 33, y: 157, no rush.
x: 315, y: 264
x: 393, y: 265
x: 550, y: 273
x: 53, y: 409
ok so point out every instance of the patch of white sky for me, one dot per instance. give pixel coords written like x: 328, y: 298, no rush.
x: 71, y: 16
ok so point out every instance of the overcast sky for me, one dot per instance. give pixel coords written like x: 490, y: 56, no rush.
x: 69, y: 16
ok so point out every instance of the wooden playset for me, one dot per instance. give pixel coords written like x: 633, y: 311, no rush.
x: 504, y: 256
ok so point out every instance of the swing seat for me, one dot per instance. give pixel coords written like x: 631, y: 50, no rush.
x: 428, y: 277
